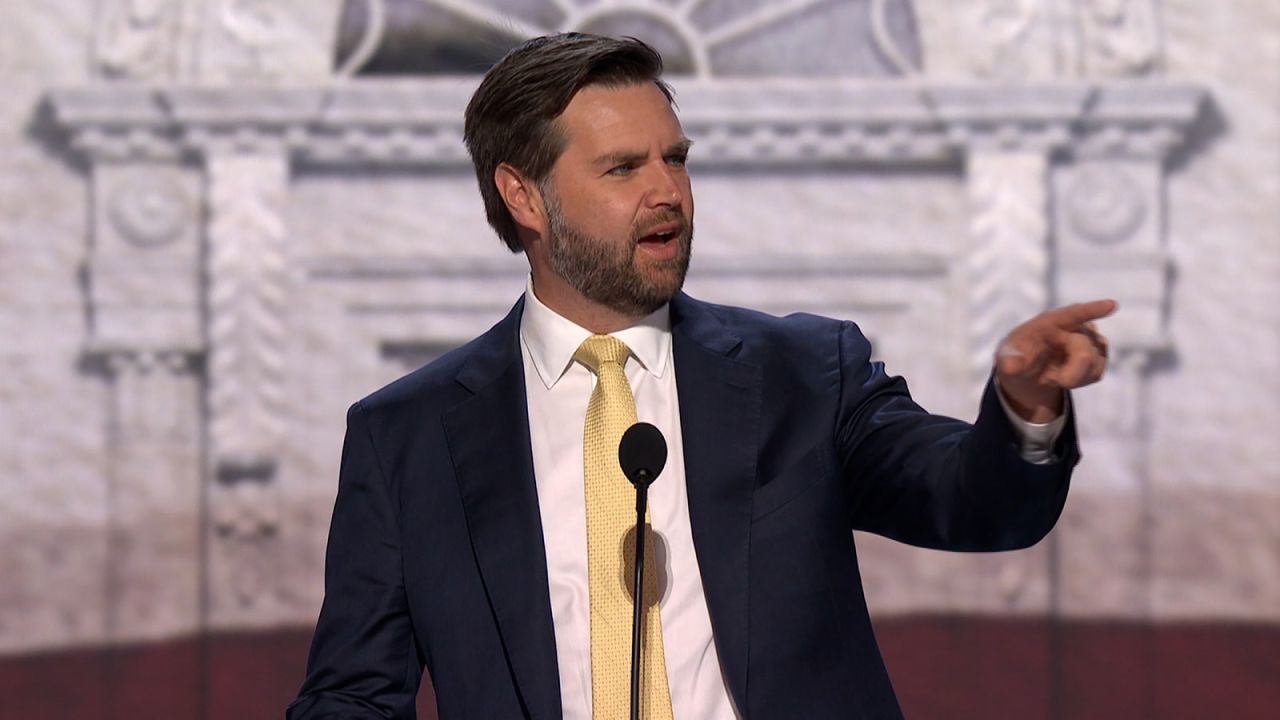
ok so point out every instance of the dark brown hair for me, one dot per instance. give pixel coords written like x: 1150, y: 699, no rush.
x: 512, y: 115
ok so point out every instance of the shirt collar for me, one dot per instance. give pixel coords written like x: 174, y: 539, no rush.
x: 551, y: 339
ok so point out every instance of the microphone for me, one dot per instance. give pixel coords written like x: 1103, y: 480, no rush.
x: 642, y: 453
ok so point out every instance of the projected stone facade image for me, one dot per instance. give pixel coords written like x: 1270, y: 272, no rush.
x: 226, y: 220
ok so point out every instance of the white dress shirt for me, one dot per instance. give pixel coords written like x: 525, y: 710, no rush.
x: 558, y: 390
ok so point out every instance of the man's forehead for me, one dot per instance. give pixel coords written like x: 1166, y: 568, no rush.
x: 604, y: 114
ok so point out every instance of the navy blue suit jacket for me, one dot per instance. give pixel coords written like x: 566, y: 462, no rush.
x: 793, y: 437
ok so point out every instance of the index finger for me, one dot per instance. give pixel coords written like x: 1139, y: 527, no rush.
x: 1071, y: 317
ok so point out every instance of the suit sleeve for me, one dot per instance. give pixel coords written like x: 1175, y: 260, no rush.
x: 934, y: 481
x: 364, y: 662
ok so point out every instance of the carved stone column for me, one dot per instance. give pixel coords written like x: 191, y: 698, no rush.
x: 249, y: 288
x: 1007, y: 135
x: 154, y: 538
x: 1105, y: 545
x: 1006, y: 262
x: 144, y: 302
x: 1110, y: 242
x: 230, y: 65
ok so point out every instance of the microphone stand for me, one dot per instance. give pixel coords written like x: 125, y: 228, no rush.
x: 641, y: 454
x: 643, y: 478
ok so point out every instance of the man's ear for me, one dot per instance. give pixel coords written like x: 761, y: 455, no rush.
x: 522, y: 197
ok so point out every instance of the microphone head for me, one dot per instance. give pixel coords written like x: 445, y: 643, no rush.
x: 642, y: 453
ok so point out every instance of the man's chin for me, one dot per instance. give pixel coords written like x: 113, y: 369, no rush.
x: 664, y: 279
x: 645, y: 294
x: 634, y: 288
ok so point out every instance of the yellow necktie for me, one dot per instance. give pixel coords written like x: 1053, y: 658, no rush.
x: 611, y: 512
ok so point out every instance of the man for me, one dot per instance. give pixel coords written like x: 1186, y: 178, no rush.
x: 478, y: 533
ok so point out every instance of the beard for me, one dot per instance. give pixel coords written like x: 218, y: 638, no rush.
x: 610, y: 273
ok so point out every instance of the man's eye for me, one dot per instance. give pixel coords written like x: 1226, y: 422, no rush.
x: 622, y: 169
x: 677, y: 160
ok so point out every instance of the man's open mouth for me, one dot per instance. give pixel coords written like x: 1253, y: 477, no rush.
x: 662, y: 234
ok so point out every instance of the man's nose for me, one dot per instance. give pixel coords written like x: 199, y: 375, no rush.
x: 664, y: 187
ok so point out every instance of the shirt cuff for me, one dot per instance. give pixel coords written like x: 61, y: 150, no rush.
x: 1036, y: 439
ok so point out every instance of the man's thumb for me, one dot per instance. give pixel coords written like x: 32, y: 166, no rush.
x: 1010, y: 361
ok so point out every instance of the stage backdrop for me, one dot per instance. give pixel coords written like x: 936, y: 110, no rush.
x: 222, y: 221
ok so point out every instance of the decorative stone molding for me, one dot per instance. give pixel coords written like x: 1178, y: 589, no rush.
x: 1138, y: 120
x: 757, y: 123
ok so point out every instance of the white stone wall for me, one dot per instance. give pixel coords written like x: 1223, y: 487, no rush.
x: 185, y: 313
x: 54, y: 409
x: 1213, y: 458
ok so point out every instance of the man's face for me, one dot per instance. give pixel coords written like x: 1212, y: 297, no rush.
x: 618, y: 200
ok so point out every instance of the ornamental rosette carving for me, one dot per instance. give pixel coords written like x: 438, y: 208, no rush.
x: 1105, y: 205
x: 150, y: 210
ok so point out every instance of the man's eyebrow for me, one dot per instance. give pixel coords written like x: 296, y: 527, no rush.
x: 623, y: 157
x: 626, y: 157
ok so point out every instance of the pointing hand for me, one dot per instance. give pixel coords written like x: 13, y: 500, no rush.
x: 1057, y: 350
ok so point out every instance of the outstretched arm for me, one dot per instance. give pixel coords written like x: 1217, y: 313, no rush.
x: 938, y: 482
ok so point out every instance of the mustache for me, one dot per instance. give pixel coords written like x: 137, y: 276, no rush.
x: 666, y: 218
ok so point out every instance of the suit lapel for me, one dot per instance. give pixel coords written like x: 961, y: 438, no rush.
x: 720, y: 419
x: 489, y: 443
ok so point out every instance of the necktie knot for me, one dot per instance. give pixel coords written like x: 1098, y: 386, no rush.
x: 599, y: 350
